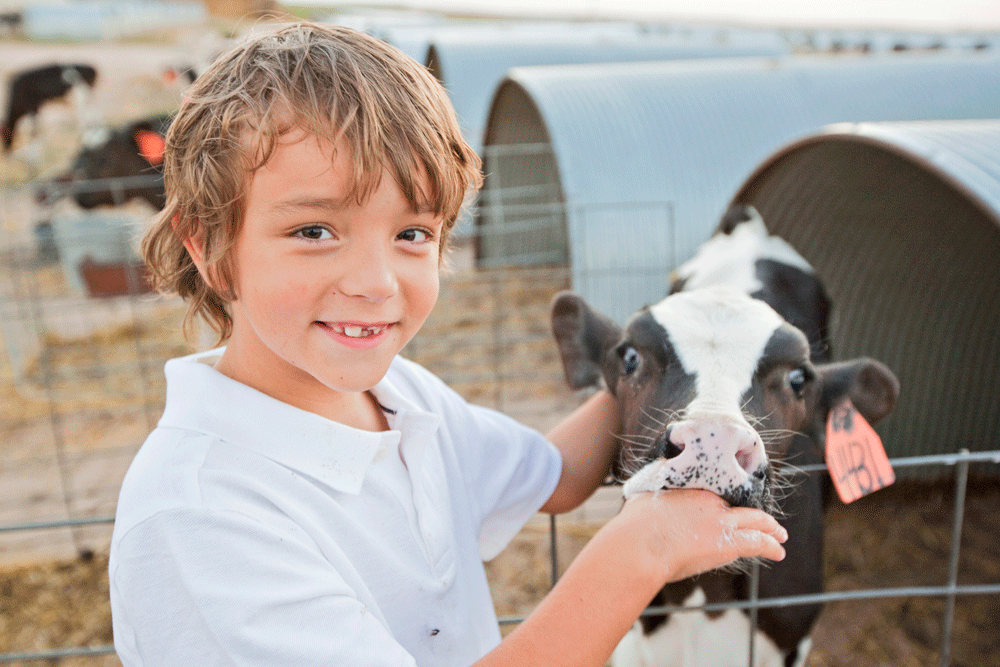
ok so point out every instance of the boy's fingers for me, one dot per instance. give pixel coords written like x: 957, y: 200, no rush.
x: 760, y: 521
x: 756, y: 533
x: 752, y: 543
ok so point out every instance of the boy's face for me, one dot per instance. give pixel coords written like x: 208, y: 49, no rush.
x: 328, y: 291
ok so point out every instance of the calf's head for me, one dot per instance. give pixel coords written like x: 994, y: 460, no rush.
x: 712, y: 384
x: 114, y: 166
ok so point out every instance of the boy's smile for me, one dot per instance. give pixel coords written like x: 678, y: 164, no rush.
x: 360, y: 335
x: 328, y: 290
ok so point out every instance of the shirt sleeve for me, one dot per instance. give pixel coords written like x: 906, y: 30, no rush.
x: 508, y: 470
x: 210, y: 587
x: 511, y: 471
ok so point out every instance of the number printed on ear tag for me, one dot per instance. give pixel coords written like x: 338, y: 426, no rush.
x: 854, y: 454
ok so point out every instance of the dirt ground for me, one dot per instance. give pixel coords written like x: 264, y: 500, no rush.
x: 50, y: 598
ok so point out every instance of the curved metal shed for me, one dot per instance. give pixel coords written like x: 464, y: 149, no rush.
x: 902, y: 222
x: 472, y: 61
x: 623, y: 170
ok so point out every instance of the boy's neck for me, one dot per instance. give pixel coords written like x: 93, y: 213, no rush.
x: 360, y: 410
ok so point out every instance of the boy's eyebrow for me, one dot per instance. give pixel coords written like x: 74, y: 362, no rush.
x: 322, y: 203
x: 329, y: 204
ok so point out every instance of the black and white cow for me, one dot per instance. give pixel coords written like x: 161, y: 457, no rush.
x: 717, y: 390
x: 32, y: 88
x: 115, y: 165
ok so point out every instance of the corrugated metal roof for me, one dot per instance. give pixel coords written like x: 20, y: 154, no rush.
x: 965, y: 152
x: 472, y: 61
x: 646, y: 156
x: 902, y: 222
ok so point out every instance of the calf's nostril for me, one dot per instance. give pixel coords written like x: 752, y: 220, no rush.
x: 671, y: 450
x: 745, y: 459
x: 668, y: 449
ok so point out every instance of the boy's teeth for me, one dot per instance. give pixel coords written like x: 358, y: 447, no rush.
x: 360, y: 332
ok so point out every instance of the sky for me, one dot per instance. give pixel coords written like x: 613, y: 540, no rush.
x: 949, y: 15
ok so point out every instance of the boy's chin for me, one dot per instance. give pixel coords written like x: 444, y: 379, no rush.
x: 358, y: 381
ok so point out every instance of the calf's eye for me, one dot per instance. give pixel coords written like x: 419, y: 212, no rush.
x: 797, y: 378
x: 630, y: 360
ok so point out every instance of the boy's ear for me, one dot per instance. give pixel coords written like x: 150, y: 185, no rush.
x: 195, y: 245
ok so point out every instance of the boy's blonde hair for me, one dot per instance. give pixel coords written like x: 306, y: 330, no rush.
x: 330, y: 81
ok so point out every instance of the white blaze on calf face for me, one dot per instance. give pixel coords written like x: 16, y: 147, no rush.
x: 719, y: 335
x: 729, y: 259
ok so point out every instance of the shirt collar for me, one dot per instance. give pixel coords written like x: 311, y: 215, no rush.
x: 199, y: 398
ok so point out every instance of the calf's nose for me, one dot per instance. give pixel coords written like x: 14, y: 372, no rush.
x: 735, y: 448
x: 716, y: 454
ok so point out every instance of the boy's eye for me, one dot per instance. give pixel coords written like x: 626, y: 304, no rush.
x: 414, y: 235
x: 314, y: 233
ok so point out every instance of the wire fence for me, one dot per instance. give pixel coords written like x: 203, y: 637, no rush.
x: 84, y: 387
x: 948, y: 590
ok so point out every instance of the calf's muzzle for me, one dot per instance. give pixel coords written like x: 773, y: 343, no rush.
x: 715, y: 453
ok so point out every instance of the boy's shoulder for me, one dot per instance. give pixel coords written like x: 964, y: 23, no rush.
x: 163, y: 476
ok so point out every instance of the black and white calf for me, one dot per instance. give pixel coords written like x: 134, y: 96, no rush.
x: 31, y: 89
x: 717, y: 390
x: 115, y: 165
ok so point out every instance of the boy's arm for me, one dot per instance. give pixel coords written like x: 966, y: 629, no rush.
x: 655, y: 539
x: 586, y: 439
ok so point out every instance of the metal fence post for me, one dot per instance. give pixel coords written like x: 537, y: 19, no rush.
x: 961, y: 483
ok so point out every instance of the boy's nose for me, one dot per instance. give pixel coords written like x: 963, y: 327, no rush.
x: 369, y: 273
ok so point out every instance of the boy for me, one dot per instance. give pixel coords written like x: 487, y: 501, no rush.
x: 309, y: 497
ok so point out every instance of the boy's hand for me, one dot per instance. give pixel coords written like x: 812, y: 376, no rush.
x: 658, y: 537
x: 691, y: 531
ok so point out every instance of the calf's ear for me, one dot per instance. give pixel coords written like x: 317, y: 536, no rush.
x: 870, y: 385
x: 582, y: 335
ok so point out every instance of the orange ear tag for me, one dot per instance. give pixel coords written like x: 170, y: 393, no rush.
x: 854, y: 454
x: 151, y: 146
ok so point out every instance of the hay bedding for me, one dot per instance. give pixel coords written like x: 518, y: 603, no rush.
x: 59, y: 604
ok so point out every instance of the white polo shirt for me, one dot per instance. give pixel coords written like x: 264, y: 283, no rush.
x: 250, y: 532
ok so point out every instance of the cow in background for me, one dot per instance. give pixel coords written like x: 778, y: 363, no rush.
x: 182, y: 75
x: 11, y: 22
x: 33, y: 88
x: 114, y: 166
x: 718, y: 390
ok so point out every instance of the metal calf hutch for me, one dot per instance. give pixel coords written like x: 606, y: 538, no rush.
x: 621, y: 170
x: 472, y: 61
x: 902, y: 222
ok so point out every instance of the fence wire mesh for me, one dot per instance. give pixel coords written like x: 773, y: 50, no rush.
x: 82, y: 385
